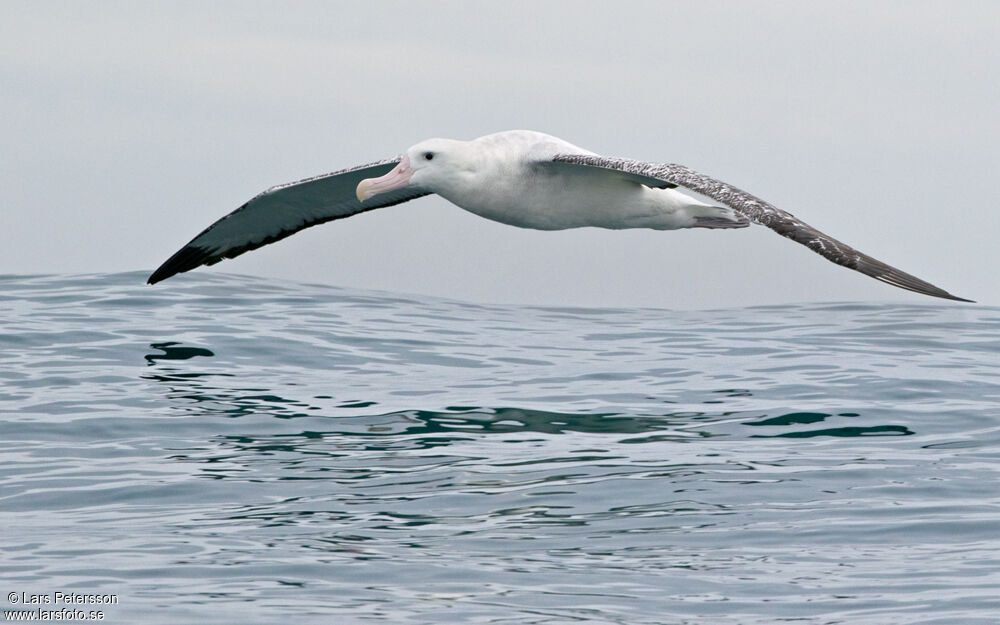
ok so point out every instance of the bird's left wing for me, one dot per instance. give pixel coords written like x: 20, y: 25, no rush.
x: 282, y: 211
x: 761, y: 212
x: 632, y: 174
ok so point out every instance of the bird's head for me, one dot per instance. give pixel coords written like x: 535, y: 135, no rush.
x: 429, y: 165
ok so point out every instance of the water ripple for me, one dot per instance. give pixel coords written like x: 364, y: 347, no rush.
x: 226, y: 449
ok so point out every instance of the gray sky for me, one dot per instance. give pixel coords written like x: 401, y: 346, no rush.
x: 128, y: 127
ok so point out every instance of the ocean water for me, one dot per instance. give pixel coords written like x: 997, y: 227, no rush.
x: 222, y: 449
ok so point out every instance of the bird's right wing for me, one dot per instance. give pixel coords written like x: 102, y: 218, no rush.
x: 764, y: 213
x: 282, y: 211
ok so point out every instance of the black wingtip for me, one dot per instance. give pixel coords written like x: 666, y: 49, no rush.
x: 186, y: 259
x: 157, y: 276
x: 960, y: 299
x: 903, y: 280
x: 946, y: 295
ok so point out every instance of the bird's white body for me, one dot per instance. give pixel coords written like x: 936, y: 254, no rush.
x: 499, y: 177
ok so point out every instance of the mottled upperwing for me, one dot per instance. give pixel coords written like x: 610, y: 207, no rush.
x: 761, y: 212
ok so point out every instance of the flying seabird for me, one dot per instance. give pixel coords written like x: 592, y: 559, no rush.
x: 521, y: 178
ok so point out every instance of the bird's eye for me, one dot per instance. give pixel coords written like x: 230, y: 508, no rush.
x: 429, y: 156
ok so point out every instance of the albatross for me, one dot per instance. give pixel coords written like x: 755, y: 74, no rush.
x: 521, y: 178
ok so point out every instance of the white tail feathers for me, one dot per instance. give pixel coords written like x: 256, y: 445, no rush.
x: 717, y: 217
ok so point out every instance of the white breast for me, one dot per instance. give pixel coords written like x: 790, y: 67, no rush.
x: 507, y: 186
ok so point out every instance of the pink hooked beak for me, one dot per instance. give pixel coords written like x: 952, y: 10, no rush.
x: 398, y: 178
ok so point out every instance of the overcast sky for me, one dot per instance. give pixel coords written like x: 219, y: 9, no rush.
x: 129, y: 126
